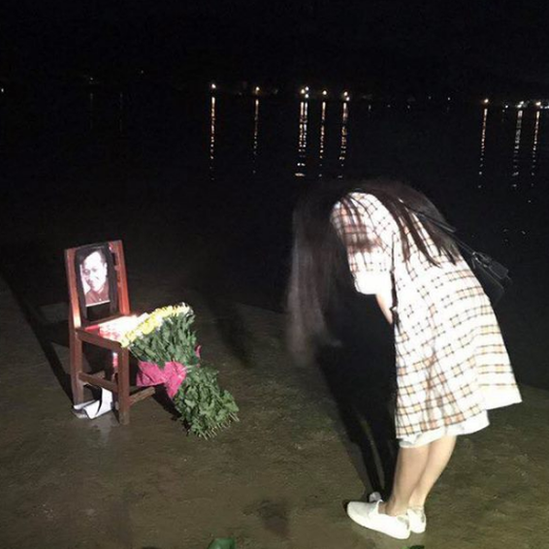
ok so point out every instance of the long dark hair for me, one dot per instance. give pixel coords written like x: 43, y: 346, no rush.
x: 320, y: 277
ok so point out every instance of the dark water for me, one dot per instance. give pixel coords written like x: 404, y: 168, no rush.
x: 205, y: 184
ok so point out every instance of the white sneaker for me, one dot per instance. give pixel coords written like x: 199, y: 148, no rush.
x: 417, y: 519
x: 416, y: 515
x: 368, y: 516
x: 374, y: 496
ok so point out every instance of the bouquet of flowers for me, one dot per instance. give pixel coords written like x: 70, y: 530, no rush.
x: 166, y: 348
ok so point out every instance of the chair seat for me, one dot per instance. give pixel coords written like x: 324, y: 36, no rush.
x: 113, y: 328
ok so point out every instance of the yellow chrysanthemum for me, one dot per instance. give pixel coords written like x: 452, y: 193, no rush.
x: 154, y: 320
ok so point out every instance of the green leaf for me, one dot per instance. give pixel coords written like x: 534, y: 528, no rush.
x: 204, y: 407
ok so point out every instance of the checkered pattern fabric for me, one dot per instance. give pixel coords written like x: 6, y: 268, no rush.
x: 452, y: 364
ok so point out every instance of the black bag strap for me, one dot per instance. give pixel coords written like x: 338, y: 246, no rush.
x: 479, y: 257
x: 448, y: 229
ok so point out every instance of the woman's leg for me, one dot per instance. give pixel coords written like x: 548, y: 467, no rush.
x: 416, y: 472
x: 410, y: 467
x: 440, y: 452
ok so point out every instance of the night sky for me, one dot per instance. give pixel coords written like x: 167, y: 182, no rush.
x: 460, y: 44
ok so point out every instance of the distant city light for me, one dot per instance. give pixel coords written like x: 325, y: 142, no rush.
x: 538, y: 104
x: 213, y: 86
x: 306, y: 96
x: 303, y: 91
x: 257, y: 89
x: 345, y: 94
x: 1, y: 90
x: 449, y: 99
x: 324, y: 92
x: 486, y: 101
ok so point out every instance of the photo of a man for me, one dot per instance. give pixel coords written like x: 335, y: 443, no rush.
x: 94, y: 273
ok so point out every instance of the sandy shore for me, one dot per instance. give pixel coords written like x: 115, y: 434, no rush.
x: 278, y: 479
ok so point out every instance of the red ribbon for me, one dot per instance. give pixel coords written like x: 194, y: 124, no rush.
x: 172, y: 375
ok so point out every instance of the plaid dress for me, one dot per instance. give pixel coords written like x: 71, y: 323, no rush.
x: 452, y: 365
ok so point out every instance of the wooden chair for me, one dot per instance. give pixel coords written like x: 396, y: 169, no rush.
x: 84, y: 327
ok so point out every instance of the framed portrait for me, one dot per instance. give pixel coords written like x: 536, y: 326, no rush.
x: 96, y: 281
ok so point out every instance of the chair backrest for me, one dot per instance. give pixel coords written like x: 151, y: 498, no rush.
x: 97, y: 281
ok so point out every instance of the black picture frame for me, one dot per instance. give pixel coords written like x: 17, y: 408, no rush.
x: 96, y: 307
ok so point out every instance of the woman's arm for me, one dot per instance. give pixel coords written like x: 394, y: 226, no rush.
x: 385, y: 302
x: 380, y: 285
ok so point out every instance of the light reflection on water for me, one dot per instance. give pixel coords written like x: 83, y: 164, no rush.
x: 343, y: 142
x: 212, y: 136
x: 516, y: 148
x: 482, y: 143
x: 305, y: 156
x: 535, y: 146
x: 322, y: 139
x: 485, y: 150
x: 330, y: 125
x: 333, y: 136
x: 302, y: 139
x: 478, y: 149
x: 256, y: 135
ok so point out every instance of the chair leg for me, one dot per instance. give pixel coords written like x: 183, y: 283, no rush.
x: 123, y: 378
x: 76, y: 368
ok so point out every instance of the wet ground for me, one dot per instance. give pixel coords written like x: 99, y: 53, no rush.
x: 276, y: 480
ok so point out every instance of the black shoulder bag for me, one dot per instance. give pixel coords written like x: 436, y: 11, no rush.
x: 492, y: 275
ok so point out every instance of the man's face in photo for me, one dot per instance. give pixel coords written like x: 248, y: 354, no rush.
x: 94, y: 271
